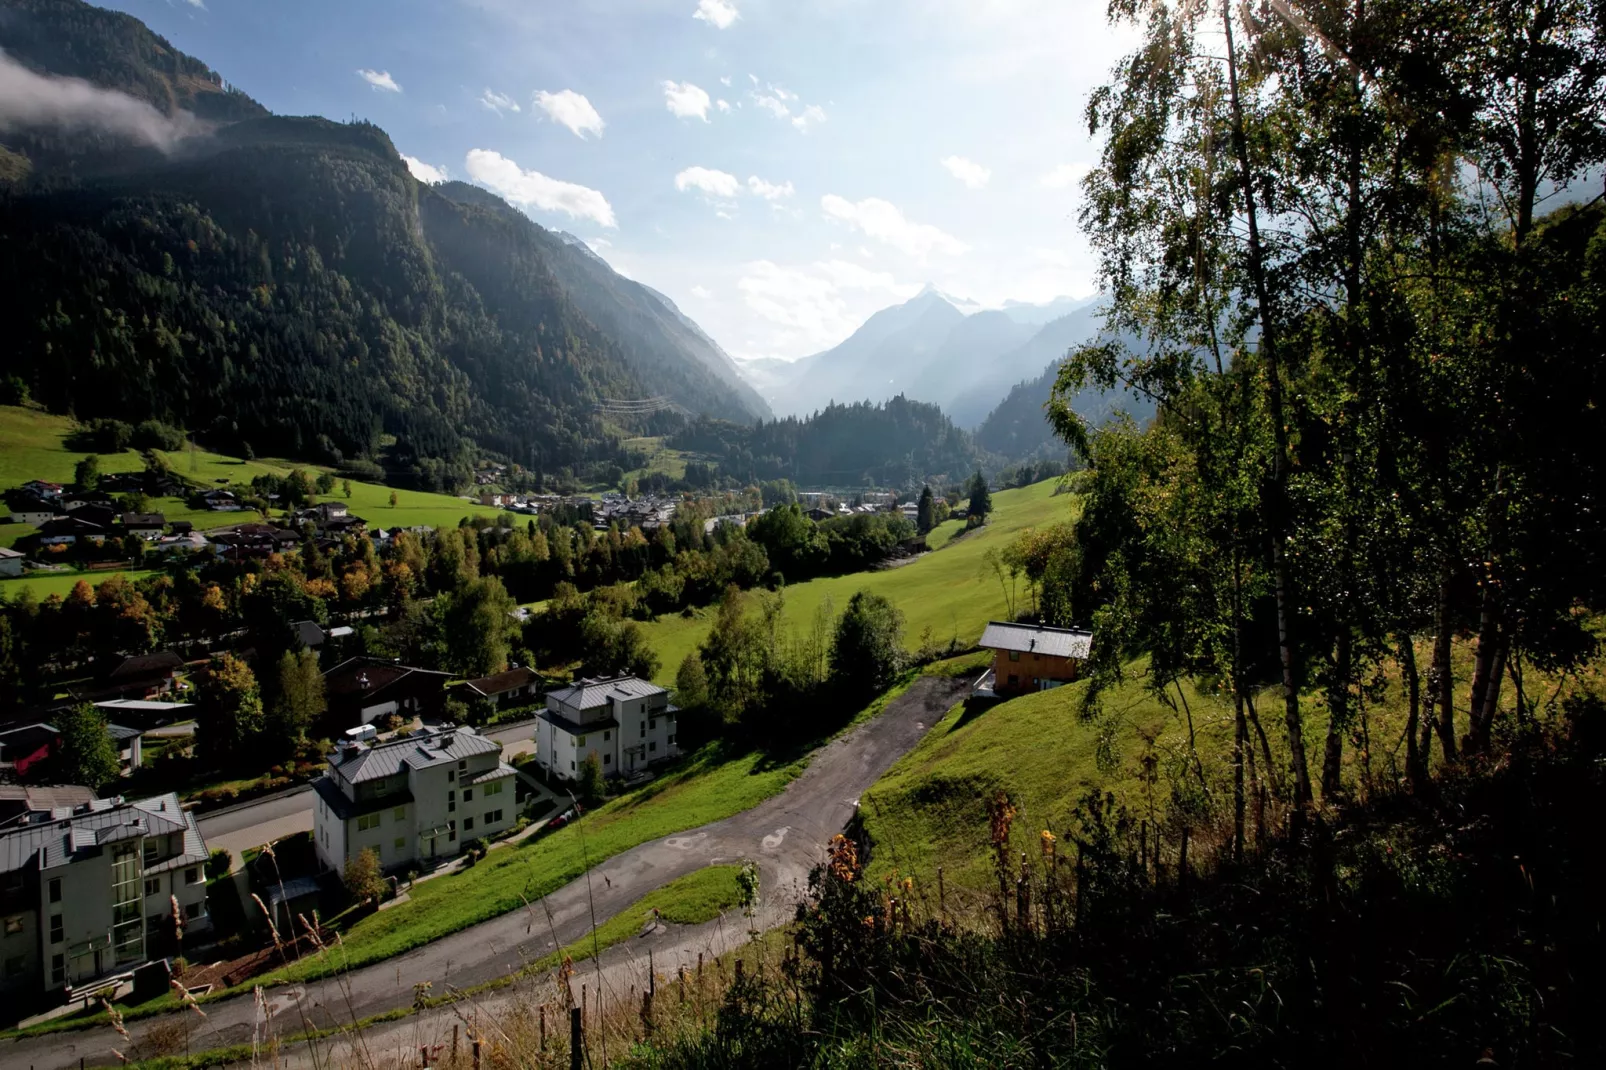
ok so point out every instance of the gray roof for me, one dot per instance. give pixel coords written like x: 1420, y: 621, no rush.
x: 8, y: 552
x: 422, y: 749
x: 346, y: 808
x: 119, y: 732
x: 589, y: 694
x: 100, y: 822
x: 1038, y: 639
x: 575, y: 728
x: 501, y: 772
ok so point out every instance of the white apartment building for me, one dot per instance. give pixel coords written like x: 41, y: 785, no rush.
x: 627, y: 722
x: 418, y: 797
x: 88, y: 891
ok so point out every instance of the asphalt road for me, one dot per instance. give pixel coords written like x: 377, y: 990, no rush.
x: 785, y: 835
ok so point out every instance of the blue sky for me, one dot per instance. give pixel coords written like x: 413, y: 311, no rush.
x: 780, y: 168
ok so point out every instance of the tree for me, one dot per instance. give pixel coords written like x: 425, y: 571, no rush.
x: 926, y: 514
x: 298, y: 702
x: 232, y: 706
x: 86, y: 754
x: 981, y: 499
x: 691, y: 682
x: 345, y: 488
x: 86, y: 473
x: 593, y: 786
x: 478, y: 627
x: 393, y: 499
x: 867, y: 650
x: 365, y: 880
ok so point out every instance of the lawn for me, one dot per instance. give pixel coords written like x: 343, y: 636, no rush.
x: 690, y: 900
x: 31, y: 447
x: 45, y: 584
x: 708, y: 786
x: 660, y: 458
x: 950, y: 591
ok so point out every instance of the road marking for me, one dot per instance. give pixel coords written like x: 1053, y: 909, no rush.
x: 773, y: 840
x: 685, y: 843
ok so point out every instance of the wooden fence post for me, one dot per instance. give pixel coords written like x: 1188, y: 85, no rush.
x: 576, y: 1040
x: 454, y: 1043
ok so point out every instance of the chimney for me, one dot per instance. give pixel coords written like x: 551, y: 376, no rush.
x: 348, y: 749
x: 362, y: 680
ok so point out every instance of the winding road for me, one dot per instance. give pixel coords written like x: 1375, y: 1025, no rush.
x: 785, y: 835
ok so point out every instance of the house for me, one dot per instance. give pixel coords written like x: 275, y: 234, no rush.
x: 146, y: 675
x: 313, y: 635
x: 10, y: 562
x: 515, y: 687
x: 39, y: 488
x: 254, y: 539
x: 26, y: 804
x: 147, y: 526
x: 99, y: 513
x: 188, y: 542
x: 89, y: 893
x: 627, y: 722
x: 819, y: 515
x: 221, y: 501
x: 145, y: 712
x: 416, y: 798
x: 22, y: 745
x: 29, y: 508
x: 1033, y: 657
x: 66, y: 530
x: 361, y: 690
x: 489, y: 499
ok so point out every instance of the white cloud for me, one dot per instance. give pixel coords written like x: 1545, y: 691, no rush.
x: 883, y: 221
x: 713, y: 183
x: 815, y: 305
x: 812, y: 115
x: 197, y: 3
x: 718, y: 13
x: 723, y: 105
x: 686, y: 101
x: 969, y: 172
x: 702, y: 292
x: 531, y: 188
x: 772, y: 104
x: 425, y: 172
x: 498, y: 102
x: 768, y: 190
x: 1063, y: 176
x: 725, y: 79
x: 379, y: 80
x: 570, y: 109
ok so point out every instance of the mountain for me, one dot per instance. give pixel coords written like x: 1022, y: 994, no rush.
x: 1018, y: 428
x: 286, y: 284
x: 934, y: 348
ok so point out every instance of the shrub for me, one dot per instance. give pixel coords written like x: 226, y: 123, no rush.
x: 218, y: 864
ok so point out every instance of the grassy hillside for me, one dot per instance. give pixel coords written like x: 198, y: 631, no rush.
x: 32, y: 447
x: 950, y: 591
x: 930, y: 809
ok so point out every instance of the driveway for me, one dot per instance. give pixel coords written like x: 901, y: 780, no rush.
x: 785, y: 835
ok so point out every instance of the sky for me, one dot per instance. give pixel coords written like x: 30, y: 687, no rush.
x: 780, y: 168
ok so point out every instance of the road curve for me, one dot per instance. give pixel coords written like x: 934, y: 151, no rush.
x: 784, y: 834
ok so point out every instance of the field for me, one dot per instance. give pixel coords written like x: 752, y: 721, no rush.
x: 45, y: 584
x: 660, y: 459
x: 951, y: 591
x: 707, y: 787
x: 32, y: 446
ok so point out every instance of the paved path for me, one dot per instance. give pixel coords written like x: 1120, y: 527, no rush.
x: 785, y: 834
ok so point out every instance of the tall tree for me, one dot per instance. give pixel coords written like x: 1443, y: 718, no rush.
x: 231, y: 704
x: 298, y: 702
x: 86, y: 754
x: 926, y: 511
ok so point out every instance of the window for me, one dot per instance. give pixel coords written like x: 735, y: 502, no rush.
x: 607, y: 759
x: 192, y: 910
x: 451, y: 776
x: 16, y: 965
x: 367, y: 821
x: 1014, y: 655
x: 192, y: 875
x: 671, y: 741
x: 451, y: 802
x: 571, y: 766
x: 382, y: 788
x: 58, y: 931
x: 653, y: 746
x: 452, y: 825
x: 652, y: 723
x: 468, y: 824
x: 14, y: 925
x: 643, y: 727
x: 579, y: 741
x: 150, y: 853
x: 492, y: 816
x: 55, y: 889
x: 606, y: 736
x: 153, y: 886
x: 58, y: 969
x: 400, y: 813
x: 462, y: 765
x: 493, y: 788
x: 401, y: 843
x: 468, y: 794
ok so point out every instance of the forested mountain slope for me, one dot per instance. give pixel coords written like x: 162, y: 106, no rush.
x: 285, y: 284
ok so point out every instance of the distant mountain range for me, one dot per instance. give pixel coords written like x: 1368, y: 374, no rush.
x: 932, y: 349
